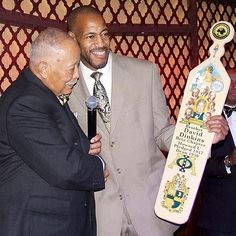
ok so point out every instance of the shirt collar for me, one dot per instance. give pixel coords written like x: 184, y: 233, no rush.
x: 105, y: 70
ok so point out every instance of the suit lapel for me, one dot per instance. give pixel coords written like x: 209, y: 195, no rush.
x: 118, y: 90
x: 119, y: 84
x: 82, y: 94
x: 78, y: 129
x: 230, y: 139
x: 72, y: 118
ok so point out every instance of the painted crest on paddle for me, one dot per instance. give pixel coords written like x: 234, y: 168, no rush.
x: 175, y: 194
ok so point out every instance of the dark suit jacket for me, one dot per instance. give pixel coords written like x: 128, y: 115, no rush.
x: 46, y: 173
x: 218, y: 207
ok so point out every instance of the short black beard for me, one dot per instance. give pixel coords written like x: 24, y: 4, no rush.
x: 99, y: 66
x: 92, y: 65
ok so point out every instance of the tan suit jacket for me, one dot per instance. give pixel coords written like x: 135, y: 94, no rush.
x: 139, y: 129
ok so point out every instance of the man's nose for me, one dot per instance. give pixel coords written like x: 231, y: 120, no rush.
x: 100, y: 41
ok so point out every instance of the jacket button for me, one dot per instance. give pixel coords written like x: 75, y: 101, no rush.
x: 112, y: 144
x: 85, y: 204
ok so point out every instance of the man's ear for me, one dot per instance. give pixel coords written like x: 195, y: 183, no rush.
x: 72, y: 35
x: 43, y: 69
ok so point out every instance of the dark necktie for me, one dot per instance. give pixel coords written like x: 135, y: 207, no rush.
x: 229, y: 110
x: 63, y: 99
x: 100, y: 93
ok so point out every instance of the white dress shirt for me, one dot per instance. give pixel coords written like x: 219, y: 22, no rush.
x: 106, y: 78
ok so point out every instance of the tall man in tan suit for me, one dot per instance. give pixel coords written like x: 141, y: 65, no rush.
x: 136, y: 131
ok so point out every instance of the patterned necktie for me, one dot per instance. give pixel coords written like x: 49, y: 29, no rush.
x: 229, y: 110
x: 100, y: 93
x: 63, y: 99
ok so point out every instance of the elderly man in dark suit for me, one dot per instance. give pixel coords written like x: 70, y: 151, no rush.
x: 47, y: 172
x: 218, y: 208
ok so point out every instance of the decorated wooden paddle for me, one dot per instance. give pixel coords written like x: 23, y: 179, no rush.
x: 204, y: 95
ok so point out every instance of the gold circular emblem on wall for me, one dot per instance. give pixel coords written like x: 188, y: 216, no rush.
x: 221, y: 31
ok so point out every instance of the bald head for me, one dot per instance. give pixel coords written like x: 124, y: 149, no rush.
x: 71, y: 22
x: 48, y: 45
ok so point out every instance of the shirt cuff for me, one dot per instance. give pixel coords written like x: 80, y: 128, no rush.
x: 228, y: 169
x: 103, y: 162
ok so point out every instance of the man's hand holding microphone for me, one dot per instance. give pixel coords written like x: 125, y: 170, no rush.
x: 94, y: 138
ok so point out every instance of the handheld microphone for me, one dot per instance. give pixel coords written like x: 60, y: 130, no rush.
x: 92, y: 103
